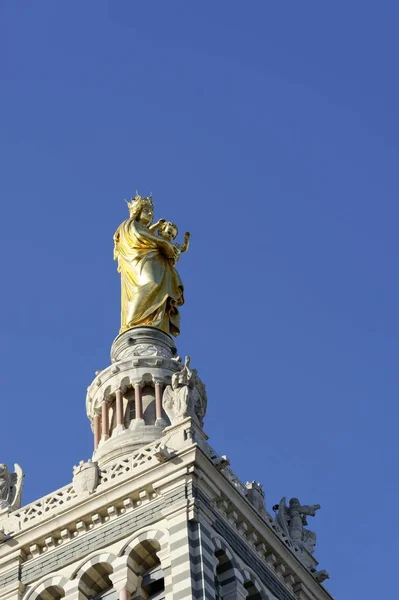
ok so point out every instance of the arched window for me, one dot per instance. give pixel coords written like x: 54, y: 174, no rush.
x: 225, y: 576
x: 153, y: 583
x: 147, y: 564
x: 108, y: 595
x: 53, y: 592
x: 96, y: 583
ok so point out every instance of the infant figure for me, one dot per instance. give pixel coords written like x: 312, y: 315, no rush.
x: 168, y: 231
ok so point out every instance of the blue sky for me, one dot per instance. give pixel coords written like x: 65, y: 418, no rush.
x: 270, y: 131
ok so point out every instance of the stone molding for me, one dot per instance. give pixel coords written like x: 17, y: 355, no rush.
x: 62, y: 499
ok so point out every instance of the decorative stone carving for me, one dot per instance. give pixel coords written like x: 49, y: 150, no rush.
x: 162, y: 454
x: 221, y: 462
x: 256, y: 496
x: 10, y: 487
x: 85, y: 477
x: 143, y: 341
x: 321, y: 575
x: 149, y: 350
x: 186, y: 397
x: 292, y: 520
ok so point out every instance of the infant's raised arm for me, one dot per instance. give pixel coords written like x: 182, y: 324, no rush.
x: 186, y: 242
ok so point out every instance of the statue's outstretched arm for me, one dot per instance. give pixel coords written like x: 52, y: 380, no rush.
x: 186, y: 242
x: 309, y: 510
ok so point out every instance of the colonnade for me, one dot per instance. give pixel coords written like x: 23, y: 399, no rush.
x: 101, y: 420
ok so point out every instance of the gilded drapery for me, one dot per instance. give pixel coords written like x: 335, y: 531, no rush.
x: 151, y: 287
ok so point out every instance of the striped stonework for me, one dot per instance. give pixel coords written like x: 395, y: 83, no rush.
x: 181, y: 568
x: 251, y: 584
x: 244, y: 554
x: 229, y: 579
x: 158, y: 537
x: 50, y: 589
x: 203, y: 559
x: 145, y: 552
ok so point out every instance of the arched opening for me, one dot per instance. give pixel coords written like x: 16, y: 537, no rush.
x: 96, y: 584
x: 225, y: 576
x: 53, y: 592
x: 147, y: 564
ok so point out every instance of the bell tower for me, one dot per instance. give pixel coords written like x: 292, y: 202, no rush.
x: 155, y: 513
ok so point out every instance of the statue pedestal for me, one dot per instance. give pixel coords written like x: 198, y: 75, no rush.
x: 143, y: 341
x: 124, y: 402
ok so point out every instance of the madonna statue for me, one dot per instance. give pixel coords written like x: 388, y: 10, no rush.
x: 152, y: 290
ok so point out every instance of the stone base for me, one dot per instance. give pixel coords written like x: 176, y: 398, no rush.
x: 124, y: 442
x: 143, y: 341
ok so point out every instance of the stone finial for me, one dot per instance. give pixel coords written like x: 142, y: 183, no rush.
x: 256, y: 496
x: 10, y: 487
x: 186, y: 397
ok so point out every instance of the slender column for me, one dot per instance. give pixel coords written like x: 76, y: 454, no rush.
x: 158, y: 400
x: 124, y: 580
x: 138, y: 401
x: 105, y: 420
x: 119, y: 407
x: 97, y: 430
x: 76, y: 589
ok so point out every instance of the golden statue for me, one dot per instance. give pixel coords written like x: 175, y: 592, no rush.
x: 152, y: 290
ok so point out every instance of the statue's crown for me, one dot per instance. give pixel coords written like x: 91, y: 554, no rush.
x: 139, y: 201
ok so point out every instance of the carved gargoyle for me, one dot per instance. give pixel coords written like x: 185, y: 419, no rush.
x: 10, y: 487
x: 186, y: 397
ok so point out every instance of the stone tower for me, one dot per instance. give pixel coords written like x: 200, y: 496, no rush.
x: 155, y: 513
